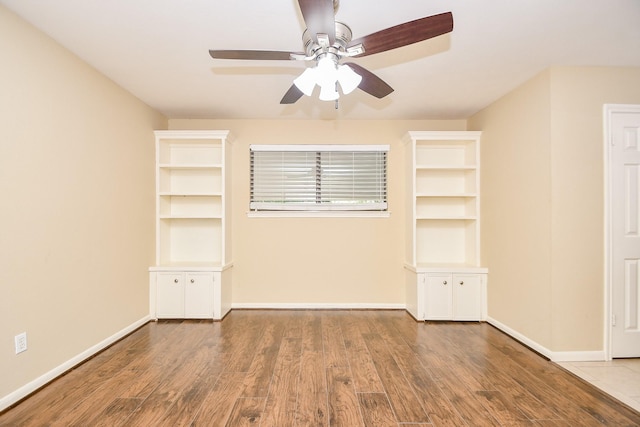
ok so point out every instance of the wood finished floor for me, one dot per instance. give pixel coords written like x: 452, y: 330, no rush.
x: 318, y: 368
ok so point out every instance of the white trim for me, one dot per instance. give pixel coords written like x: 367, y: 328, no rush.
x: 315, y: 207
x: 554, y: 356
x: 442, y: 135
x: 318, y: 306
x: 318, y: 214
x: 607, y: 112
x: 192, y: 134
x: 578, y: 356
x: 522, y: 338
x: 42, y: 380
x: 318, y: 147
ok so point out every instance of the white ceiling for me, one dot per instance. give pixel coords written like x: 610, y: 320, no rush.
x: 158, y: 50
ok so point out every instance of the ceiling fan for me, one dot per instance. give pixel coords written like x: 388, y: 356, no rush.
x: 327, y: 41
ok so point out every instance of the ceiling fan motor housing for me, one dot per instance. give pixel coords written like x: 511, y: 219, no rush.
x: 313, y: 49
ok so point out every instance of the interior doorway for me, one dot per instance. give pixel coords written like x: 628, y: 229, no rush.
x: 622, y: 229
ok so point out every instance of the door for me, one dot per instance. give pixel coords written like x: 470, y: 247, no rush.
x: 439, y: 297
x: 624, y: 211
x: 198, y: 295
x: 467, y: 297
x: 170, y: 295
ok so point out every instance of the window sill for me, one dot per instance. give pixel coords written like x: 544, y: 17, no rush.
x: 318, y: 214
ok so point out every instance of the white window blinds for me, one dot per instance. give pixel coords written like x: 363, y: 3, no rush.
x: 318, y: 177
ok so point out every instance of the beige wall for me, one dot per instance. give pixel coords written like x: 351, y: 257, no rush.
x: 76, y: 223
x: 577, y: 196
x: 542, y: 216
x: 515, y: 208
x: 318, y: 261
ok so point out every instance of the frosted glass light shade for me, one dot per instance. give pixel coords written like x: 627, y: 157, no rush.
x: 327, y: 74
x: 306, y: 81
x: 328, y: 92
x: 348, y: 79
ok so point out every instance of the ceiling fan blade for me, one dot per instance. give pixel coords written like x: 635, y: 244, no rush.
x: 292, y: 95
x: 319, y: 17
x: 254, y: 54
x: 405, y: 34
x: 371, y: 83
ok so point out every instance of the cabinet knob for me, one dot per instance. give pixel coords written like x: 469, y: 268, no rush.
x: 461, y: 282
x: 444, y: 282
x: 175, y: 280
x: 192, y: 280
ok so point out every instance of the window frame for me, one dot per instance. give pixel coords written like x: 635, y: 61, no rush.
x: 317, y: 210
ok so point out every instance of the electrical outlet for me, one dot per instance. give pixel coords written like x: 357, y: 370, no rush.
x: 21, y: 342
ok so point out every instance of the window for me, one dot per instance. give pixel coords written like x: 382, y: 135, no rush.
x: 318, y: 177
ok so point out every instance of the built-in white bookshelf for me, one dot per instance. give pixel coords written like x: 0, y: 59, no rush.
x: 193, y: 221
x: 443, y: 221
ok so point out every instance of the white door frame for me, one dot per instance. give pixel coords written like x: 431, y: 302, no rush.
x: 608, y: 111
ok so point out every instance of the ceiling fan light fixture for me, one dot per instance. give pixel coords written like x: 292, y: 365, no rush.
x: 327, y: 76
x: 327, y: 71
x: 348, y: 79
x: 328, y: 93
x: 306, y: 81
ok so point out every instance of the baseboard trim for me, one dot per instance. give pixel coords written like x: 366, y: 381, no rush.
x: 318, y: 306
x: 27, y: 389
x: 578, y: 356
x: 554, y: 356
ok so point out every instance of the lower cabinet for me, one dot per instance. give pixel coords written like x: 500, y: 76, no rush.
x: 188, y: 295
x: 442, y: 295
x: 453, y: 296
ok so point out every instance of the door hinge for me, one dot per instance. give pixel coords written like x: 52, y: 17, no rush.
x: 613, y: 320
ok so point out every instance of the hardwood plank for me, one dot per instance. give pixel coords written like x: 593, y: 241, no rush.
x: 260, y: 371
x: 531, y: 407
x: 465, y: 401
x: 333, y: 342
x: 246, y: 412
x: 156, y: 405
x: 376, y: 410
x: 189, y: 401
x: 344, y: 408
x: 311, y: 407
x: 553, y: 423
x: 502, y: 409
x: 242, y: 350
x: 102, y: 401
x: 365, y: 375
x: 219, y: 402
x: 280, y: 406
x: 312, y: 333
x: 437, y: 405
x: 115, y: 414
x: 404, y: 401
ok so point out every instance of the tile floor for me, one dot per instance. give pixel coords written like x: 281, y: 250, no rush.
x: 620, y: 378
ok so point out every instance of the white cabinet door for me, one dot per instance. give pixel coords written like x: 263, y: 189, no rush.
x: 170, y: 295
x: 467, y: 296
x: 198, y: 295
x: 453, y: 296
x: 439, y: 298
